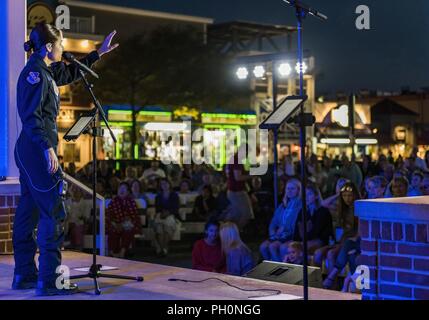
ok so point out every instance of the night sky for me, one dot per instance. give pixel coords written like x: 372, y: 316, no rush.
x: 394, y: 53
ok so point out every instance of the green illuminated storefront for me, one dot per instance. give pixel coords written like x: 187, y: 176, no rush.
x: 223, y: 124
x: 121, y: 123
x: 153, y: 121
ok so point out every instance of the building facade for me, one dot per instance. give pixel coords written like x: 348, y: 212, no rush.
x: 383, y: 123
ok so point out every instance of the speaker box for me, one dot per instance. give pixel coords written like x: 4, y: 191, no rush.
x: 286, y: 273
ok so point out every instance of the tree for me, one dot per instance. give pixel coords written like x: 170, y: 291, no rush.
x: 170, y: 67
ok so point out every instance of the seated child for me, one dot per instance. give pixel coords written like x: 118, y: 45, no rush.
x: 295, y: 254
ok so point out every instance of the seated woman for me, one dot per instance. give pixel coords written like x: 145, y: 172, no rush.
x: 185, y: 186
x: 239, y: 258
x: 139, y: 197
x: 282, y: 226
x: 207, y: 253
x: 122, y: 221
x: 348, y: 247
x: 167, y: 209
x: 205, y: 204
x: 319, y: 223
x: 78, y: 213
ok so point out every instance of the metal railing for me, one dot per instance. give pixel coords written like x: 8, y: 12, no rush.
x: 102, y: 207
x: 82, y: 25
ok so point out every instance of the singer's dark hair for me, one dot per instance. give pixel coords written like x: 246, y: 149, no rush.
x: 42, y: 34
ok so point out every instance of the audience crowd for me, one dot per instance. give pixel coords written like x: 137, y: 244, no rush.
x: 233, y: 203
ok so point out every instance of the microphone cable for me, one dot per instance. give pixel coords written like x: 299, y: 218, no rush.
x: 276, y: 292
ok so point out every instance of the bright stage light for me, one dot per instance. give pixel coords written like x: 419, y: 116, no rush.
x: 259, y: 71
x: 242, y: 73
x: 285, y: 69
x: 335, y: 141
x: 304, y: 67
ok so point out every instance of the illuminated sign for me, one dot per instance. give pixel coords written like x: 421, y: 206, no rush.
x: 39, y: 12
x: 66, y: 115
x: 186, y: 113
x: 142, y: 116
x: 341, y: 115
x: 229, y: 118
x: 162, y: 126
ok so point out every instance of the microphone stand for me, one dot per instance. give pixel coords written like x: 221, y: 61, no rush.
x: 97, y: 132
x: 302, y: 10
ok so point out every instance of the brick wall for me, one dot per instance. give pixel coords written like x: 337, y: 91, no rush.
x: 8, y: 205
x: 397, y: 254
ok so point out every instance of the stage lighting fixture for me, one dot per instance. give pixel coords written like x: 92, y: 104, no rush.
x: 242, y: 73
x: 304, y: 67
x: 259, y: 71
x: 285, y: 69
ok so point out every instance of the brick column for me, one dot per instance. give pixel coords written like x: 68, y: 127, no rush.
x: 395, y: 246
x: 8, y: 205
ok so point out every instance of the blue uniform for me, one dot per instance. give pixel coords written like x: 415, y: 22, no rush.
x: 40, y: 204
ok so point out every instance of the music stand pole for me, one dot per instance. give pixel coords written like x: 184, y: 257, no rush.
x: 275, y: 134
x: 301, y: 12
x: 95, y: 269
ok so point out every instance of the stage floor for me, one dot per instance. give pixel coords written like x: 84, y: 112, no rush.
x: 156, y: 285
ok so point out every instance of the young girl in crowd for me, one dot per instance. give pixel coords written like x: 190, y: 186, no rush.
x: 239, y: 258
x: 295, y: 253
x: 348, y: 247
x: 331, y: 203
x: 398, y: 187
x: 376, y: 187
x: 207, y: 253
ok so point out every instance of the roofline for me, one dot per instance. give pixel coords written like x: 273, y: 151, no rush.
x: 138, y: 12
x: 256, y: 24
x: 83, y: 36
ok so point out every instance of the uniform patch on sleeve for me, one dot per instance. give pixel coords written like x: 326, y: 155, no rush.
x: 33, y: 77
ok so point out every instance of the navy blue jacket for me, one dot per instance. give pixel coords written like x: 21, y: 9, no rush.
x: 38, y: 97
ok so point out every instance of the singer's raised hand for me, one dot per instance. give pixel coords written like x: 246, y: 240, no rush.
x: 106, y: 46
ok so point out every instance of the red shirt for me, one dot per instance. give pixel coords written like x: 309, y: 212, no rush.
x: 208, y: 258
x: 120, y: 210
x: 234, y: 185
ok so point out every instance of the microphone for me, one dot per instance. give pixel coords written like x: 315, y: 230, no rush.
x: 71, y: 58
x: 305, y: 7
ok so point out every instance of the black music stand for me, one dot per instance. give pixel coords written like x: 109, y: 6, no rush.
x: 281, y: 114
x: 88, y: 124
